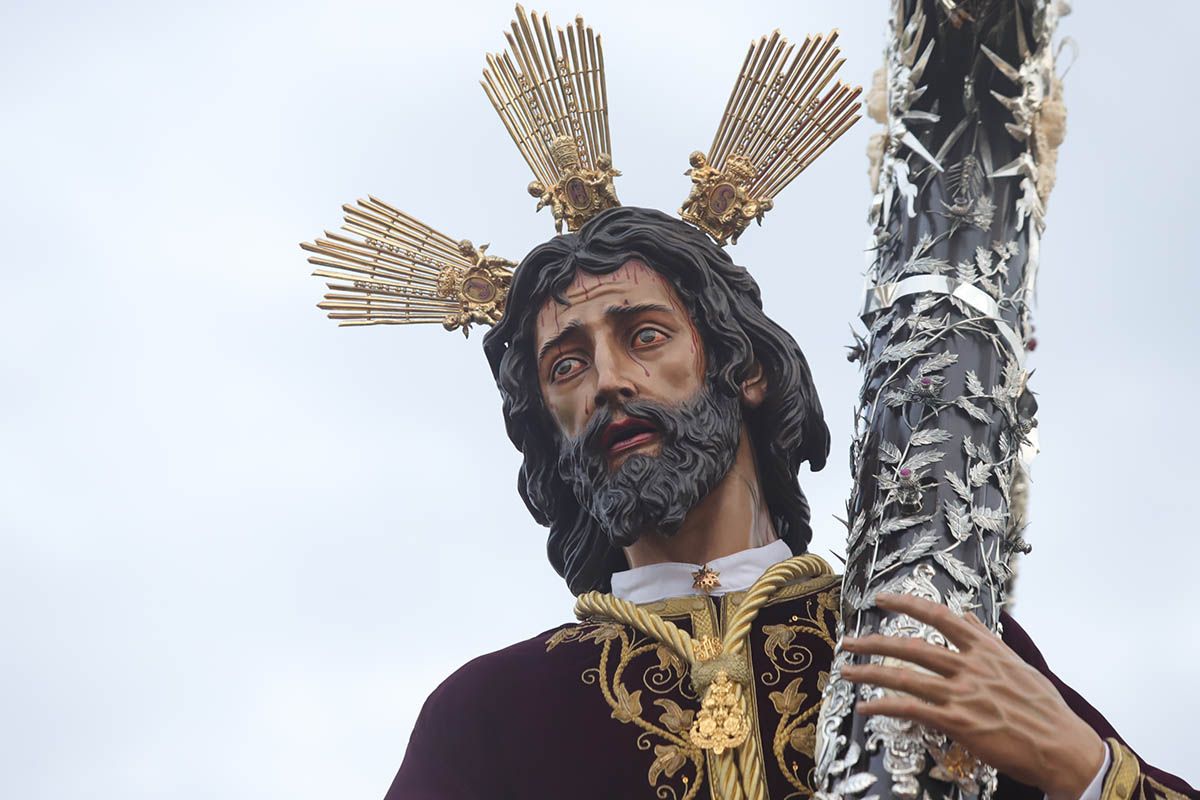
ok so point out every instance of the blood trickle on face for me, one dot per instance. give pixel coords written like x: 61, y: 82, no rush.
x: 621, y: 336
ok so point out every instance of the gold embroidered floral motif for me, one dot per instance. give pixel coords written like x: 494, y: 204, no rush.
x: 676, y: 719
x: 670, y: 759
x: 628, y: 705
x: 787, y: 655
x: 645, y: 685
x: 790, y: 699
x: 661, y: 672
x: 803, y: 740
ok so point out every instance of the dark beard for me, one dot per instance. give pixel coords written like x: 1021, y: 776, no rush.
x: 654, y: 493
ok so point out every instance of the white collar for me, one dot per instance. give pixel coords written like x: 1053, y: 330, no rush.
x: 737, y: 572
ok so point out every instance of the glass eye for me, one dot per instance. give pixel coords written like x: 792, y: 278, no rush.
x: 564, y: 368
x: 648, y: 336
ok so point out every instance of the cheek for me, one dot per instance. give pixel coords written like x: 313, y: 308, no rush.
x: 678, y: 367
x: 569, y: 410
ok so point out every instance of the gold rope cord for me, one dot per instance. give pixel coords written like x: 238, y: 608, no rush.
x: 748, y: 760
x: 738, y: 635
x: 593, y: 604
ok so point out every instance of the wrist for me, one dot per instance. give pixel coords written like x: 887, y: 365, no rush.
x: 1073, y: 764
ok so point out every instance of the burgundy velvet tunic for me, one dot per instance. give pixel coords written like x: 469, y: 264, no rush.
x: 598, y: 711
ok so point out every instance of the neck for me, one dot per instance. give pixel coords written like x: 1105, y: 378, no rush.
x: 731, y: 518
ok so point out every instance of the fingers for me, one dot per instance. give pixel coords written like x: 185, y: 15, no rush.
x: 909, y: 708
x: 901, y: 679
x: 952, y: 626
x: 976, y: 622
x: 917, y: 651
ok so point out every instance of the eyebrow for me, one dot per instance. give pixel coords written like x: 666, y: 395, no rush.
x: 630, y: 311
x: 612, y: 311
x: 554, y: 341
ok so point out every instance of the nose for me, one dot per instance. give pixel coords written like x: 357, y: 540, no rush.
x: 614, y: 383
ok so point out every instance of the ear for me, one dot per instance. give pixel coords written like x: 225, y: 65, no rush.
x: 754, y: 386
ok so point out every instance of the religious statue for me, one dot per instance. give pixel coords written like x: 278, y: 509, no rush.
x: 662, y: 419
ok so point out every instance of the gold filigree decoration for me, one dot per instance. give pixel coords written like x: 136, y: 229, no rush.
x: 727, y: 667
x: 1153, y: 790
x: 708, y: 647
x: 580, y: 193
x: 955, y: 764
x: 615, y: 674
x: 722, y: 723
x: 549, y: 89
x: 1126, y: 780
x: 393, y: 269
x: 1124, y: 774
x: 719, y: 203
x: 781, y: 116
x: 794, y: 738
x: 706, y: 579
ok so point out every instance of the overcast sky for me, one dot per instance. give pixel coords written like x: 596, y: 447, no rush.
x: 240, y: 545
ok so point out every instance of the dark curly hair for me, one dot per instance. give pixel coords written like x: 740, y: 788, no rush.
x: 726, y: 307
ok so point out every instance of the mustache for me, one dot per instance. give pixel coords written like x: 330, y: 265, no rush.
x: 663, y: 417
x: 651, y: 493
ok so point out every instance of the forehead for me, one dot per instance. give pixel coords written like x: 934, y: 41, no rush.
x: 590, y: 296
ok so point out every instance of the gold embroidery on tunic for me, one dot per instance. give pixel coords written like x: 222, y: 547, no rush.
x: 1153, y: 790
x: 1125, y: 780
x: 677, y: 770
x: 786, y: 657
x: 664, y: 673
x: 1124, y: 775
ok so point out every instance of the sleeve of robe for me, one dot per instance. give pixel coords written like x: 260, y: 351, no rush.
x: 463, y: 731
x: 1128, y: 777
x: 447, y: 756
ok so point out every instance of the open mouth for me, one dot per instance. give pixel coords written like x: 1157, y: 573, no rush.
x: 627, y: 434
